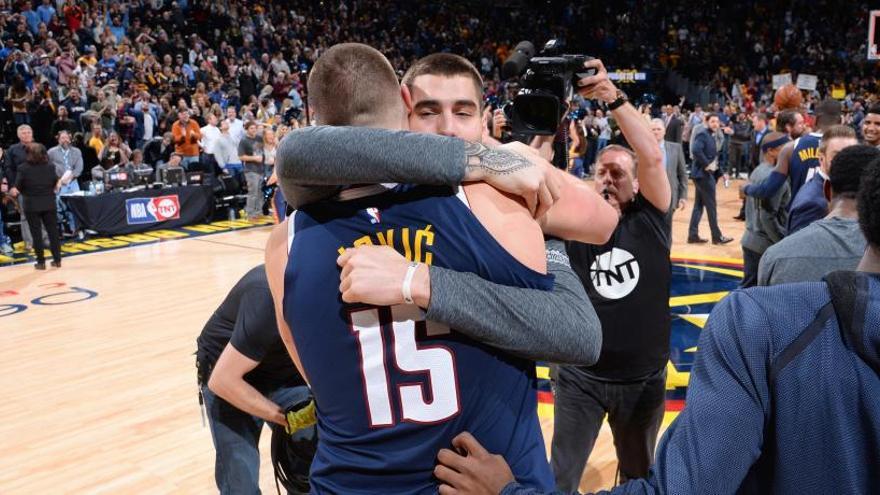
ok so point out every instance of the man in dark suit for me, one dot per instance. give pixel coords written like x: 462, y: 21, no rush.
x: 673, y: 160
x: 705, y: 171
x: 674, y: 126
x: 811, y: 204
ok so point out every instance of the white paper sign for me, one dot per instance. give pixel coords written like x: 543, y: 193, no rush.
x: 780, y: 80
x: 807, y: 81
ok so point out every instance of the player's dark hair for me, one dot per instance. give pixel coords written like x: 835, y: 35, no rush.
x: 874, y: 109
x: 848, y: 167
x: 785, y: 118
x: 869, y: 203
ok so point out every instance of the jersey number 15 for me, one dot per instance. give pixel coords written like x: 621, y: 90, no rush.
x: 436, y: 361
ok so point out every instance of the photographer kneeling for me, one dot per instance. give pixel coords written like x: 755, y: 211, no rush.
x: 246, y: 377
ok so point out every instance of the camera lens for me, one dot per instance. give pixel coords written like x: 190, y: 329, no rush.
x: 539, y: 113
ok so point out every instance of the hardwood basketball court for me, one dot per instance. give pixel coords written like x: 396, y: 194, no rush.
x: 98, y: 368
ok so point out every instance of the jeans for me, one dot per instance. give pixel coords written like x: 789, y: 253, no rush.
x: 254, y: 204
x: 234, y: 169
x: 187, y: 160
x: 63, y: 210
x: 21, y: 118
x: 577, y: 169
x: 236, y: 436
x: 601, y: 143
x: 5, y: 240
x: 704, y: 197
x: 635, y: 411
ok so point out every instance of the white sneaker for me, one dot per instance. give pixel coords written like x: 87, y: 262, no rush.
x: 6, y: 249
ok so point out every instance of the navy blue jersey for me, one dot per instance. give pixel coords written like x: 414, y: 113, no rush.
x: 392, y: 389
x: 804, y: 161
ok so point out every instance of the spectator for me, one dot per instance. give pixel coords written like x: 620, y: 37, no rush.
x: 604, y: 130
x: 68, y: 163
x: 15, y: 158
x: 5, y: 240
x: 20, y: 98
x: 158, y: 151
x: 37, y: 183
x: 269, y: 147
x: 226, y: 152
x: 115, y: 154
x: 236, y: 127
x: 210, y: 136
x: 186, y: 134
x: 871, y: 126
x: 174, y: 161
x: 739, y: 145
x: 251, y: 156
x: 63, y: 123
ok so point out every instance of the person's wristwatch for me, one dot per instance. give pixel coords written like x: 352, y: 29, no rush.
x: 619, y: 100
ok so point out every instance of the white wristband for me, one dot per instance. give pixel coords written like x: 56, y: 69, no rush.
x: 406, y: 289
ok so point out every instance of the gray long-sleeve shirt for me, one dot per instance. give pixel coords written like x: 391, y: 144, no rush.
x: 559, y: 326
x: 64, y: 160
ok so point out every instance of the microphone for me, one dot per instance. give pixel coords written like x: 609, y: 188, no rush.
x: 518, y: 60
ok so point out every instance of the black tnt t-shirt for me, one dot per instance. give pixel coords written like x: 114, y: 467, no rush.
x: 246, y: 319
x: 627, y: 281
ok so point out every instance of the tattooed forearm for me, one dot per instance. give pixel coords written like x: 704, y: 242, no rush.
x: 483, y: 161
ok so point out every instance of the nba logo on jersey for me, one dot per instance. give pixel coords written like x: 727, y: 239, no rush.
x: 374, y: 215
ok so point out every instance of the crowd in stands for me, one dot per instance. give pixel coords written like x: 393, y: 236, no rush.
x: 118, y: 75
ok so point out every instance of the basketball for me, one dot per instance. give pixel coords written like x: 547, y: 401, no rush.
x: 788, y: 97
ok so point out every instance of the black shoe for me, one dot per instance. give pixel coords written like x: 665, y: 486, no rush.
x: 56, y: 264
x: 40, y: 266
x: 696, y: 240
x: 722, y: 240
x: 741, y: 218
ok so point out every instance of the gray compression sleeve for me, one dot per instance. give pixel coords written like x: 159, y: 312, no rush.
x: 559, y: 326
x: 313, y: 162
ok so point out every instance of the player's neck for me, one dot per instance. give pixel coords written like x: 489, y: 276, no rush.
x: 870, y: 261
x: 843, y: 208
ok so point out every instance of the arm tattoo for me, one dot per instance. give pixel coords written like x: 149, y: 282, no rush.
x: 494, y: 161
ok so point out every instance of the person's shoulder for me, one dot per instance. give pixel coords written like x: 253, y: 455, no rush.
x: 779, y: 312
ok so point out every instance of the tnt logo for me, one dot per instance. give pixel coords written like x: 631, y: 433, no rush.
x: 152, y: 210
x: 615, y: 274
x: 374, y: 215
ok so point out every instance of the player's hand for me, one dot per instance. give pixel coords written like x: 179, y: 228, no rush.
x: 682, y: 204
x: 597, y: 87
x: 375, y: 274
x: 476, y: 473
x: 517, y: 169
x: 499, y: 122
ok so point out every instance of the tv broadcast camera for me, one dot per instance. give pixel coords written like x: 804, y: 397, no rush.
x: 547, y: 84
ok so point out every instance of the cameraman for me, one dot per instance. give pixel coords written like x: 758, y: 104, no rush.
x: 244, y: 373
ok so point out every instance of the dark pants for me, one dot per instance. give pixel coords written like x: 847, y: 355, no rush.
x: 236, y: 436
x: 739, y: 153
x: 36, y: 220
x: 750, y: 268
x: 704, y: 197
x: 635, y: 411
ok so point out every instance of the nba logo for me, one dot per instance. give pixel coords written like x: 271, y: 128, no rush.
x: 374, y: 215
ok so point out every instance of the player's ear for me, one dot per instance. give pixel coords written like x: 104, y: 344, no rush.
x: 826, y: 188
x: 635, y: 186
x: 407, y: 98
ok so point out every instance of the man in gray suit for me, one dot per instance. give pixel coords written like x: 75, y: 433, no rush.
x: 676, y: 170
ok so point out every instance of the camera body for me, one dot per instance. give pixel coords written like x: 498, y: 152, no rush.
x: 547, y: 83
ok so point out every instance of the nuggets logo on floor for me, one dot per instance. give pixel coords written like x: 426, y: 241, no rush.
x: 152, y: 210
